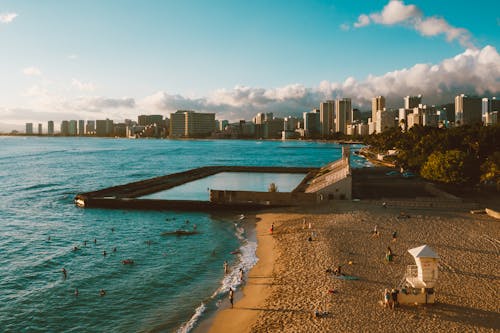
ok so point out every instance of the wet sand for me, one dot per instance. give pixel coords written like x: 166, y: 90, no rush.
x: 289, y: 282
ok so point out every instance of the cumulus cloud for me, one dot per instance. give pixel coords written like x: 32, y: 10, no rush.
x: 396, y: 12
x: 97, y: 104
x: 32, y: 71
x: 7, y: 17
x: 84, y: 86
x: 474, y: 72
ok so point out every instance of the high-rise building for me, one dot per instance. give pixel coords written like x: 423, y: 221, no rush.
x: 64, y: 128
x: 385, y: 120
x: 72, y: 128
x: 343, y: 110
x: 40, y: 129
x: 312, y: 123
x: 104, y: 128
x: 412, y: 101
x: 326, y: 118
x: 90, y: 128
x: 150, y: 119
x: 50, y: 127
x: 378, y: 103
x: 81, y: 127
x: 29, y: 128
x: 190, y: 124
x: 468, y: 110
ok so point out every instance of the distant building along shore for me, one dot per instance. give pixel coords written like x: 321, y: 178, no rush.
x: 332, y: 120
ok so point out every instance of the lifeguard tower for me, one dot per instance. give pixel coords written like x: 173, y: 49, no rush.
x: 420, y: 279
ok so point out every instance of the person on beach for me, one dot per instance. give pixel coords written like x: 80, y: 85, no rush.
x: 384, y: 204
x: 394, y: 298
x: 338, y: 271
x: 272, y: 228
x: 389, y: 254
x: 310, y: 225
x: 387, y: 298
x: 304, y: 223
x: 231, y: 296
x: 241, y: 274
x: 394, y: 236
x: 226, y: 267
x: 63, y: 270
x: 375, y: 231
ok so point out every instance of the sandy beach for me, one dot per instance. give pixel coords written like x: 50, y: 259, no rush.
x: 290, y: 281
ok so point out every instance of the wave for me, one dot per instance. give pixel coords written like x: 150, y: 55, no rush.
x: 247, y: 258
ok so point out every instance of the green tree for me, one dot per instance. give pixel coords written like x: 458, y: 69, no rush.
x: 491, y: 169
x: 450, y: 167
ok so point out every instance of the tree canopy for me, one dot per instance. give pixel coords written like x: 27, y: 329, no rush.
x: 469, y: 152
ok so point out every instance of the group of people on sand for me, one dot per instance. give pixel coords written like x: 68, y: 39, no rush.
x: 391, y: 298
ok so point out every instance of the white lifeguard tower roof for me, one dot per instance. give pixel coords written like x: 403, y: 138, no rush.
x: 423, y: 251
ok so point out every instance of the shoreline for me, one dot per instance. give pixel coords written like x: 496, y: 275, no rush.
x: 256, y: 289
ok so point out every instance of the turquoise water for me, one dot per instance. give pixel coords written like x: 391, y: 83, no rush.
x: 174, y: 281
x: 230, y: 181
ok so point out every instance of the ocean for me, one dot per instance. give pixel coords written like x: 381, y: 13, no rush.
x: 174, y: 282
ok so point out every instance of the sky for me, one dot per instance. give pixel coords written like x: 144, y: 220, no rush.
x: 116, y: 59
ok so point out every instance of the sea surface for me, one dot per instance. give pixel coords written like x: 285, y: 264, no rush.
x: 174, y: 282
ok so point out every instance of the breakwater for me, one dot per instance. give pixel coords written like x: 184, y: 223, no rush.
x: 128, y: 195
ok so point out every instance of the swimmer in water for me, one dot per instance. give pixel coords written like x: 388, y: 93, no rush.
x: 104, y: 253
x: 85, y: 243
x: 76, y: 292
x: 95, y: 240
x: 226, y: 267
x: 102, y: 292
x: 114, y: 249
x: 63, y: 270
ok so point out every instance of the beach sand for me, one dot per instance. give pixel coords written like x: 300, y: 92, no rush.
x: 289, y: 282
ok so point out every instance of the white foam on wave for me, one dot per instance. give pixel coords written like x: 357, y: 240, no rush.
x: 247, y: 258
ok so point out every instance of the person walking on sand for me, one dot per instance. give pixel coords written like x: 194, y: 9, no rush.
x: 226, y: 267
x: 231, y: 296
x: 272, y: 228
x: 394, y: 236
x: 241, y: 274
x: 304, y: 223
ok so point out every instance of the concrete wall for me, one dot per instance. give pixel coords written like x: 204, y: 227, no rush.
x: 265, y: 198
x: 341, y: 189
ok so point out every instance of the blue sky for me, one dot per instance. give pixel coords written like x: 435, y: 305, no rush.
x: 94, y: 59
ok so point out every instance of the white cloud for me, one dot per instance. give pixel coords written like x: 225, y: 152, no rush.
x: 363, y: 20
x: 471, y: 72
x: 32, y: 71
x: 83, y: 86
x: 396, y: 12
x: 7, y: 17
x: 345, y: 27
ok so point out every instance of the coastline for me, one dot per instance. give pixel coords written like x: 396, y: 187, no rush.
x: 257, y: 284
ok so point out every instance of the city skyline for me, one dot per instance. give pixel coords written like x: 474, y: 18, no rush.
x: 90, y: 60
